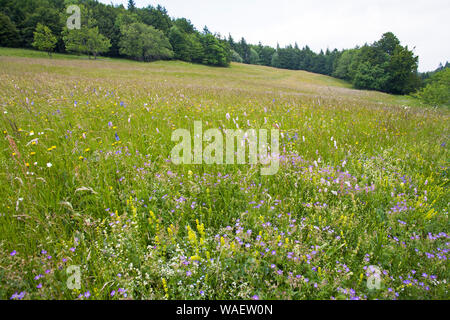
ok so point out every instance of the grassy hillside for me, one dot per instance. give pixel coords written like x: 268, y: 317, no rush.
x: 86, y: 180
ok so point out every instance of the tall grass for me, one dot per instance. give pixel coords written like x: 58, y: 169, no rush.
x: 86, y: 180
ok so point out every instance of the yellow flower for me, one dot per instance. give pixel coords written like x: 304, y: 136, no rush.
x: 81, y: 157
x: 32, y: 153
x: 87, y: 150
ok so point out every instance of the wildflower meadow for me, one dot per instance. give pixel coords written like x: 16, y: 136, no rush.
x: 94, y: 207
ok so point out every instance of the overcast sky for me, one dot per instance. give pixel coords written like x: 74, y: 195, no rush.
x: 321, y: 24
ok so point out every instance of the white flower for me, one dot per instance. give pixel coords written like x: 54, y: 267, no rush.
x: 49, y: 165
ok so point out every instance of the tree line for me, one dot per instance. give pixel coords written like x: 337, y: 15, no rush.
x: 143, y: 34
x: 385, y: 65
x: 149, y: 33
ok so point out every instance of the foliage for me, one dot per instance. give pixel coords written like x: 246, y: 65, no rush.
x: 144, y: 43
x: 44, y: 40
x: 8, y: 32
x: 215, y: 51
x: 235, y: 57
x: 96, y: 43
x: 385, y: 66
x: 20, y: 18
x: 437, y: 91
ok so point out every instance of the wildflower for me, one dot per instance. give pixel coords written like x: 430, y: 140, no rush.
x: 13, y: 253
x: 18, y: 296
x: 49, y: 165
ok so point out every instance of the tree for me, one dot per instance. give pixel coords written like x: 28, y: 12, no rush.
x: 254, y: 56
x: 370, y: 76
x: 184, y: 25
x: 44, y: 39
x: 244, y: 50
x: 86, y: 40
x: 235, y: 57
x: 75, y: 40
x: 144, y: 43
x: 215, y: 51
x: 196, y: 47
x: 180, y: 43
x: 266, y: 54
x: 40, y: 14
x: 8, y: 32
x: 156, y: 17
x: 131, y: 5
x: 96, y: 43
x: 343, y: 65
x: 402, y: 70
x: 437, y: 91
x: 275, y: 60
x: 387, y: 43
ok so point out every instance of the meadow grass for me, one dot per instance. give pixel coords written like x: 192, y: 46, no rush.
x: 87, y: 180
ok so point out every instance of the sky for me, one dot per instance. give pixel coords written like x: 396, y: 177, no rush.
x: 420, y: 24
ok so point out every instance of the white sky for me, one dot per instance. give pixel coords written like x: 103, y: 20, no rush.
x: 321, y: 24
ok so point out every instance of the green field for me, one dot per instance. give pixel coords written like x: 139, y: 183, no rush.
x: 86, y: 180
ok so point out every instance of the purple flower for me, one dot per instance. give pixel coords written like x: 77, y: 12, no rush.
x: 18, y: 296
x: 13, y: 253
x: 255, y: 297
